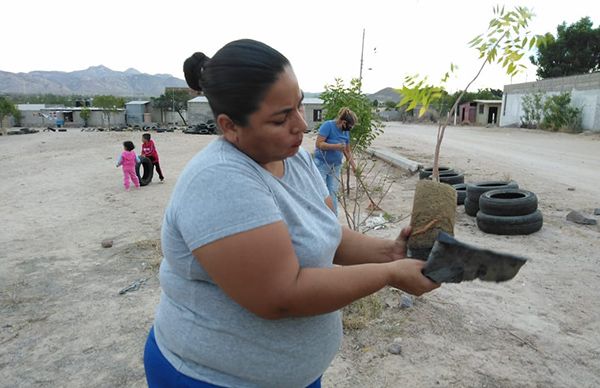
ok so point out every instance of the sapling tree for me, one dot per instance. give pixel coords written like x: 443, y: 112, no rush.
x: 506, y: 42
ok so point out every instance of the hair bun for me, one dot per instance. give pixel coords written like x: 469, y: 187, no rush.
x: 193, y: 68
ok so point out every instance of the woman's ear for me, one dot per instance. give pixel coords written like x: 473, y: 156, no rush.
x: 228, y: 128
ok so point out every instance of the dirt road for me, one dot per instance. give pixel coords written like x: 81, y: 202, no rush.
x: 64, y: 323
x: 562, y: 160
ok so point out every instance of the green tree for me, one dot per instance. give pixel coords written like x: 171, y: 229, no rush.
x: 506, y: 42
x: 575, y: 50
x: 337, y: 95
x: 109, y: 105
x: 85, y: 114
x: 7, y: 108
x: 175, y: 101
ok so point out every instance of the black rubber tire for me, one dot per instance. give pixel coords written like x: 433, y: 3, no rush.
x: 461, y: 193
x: 148, y: 171
x: 474, y: 191
x: 510, y: 225
x: 426, y: 172
x: 508, y: 202
x: 452, y: 178
x: 471, y: 208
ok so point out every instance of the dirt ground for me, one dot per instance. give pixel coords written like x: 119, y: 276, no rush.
x: 64, y: 323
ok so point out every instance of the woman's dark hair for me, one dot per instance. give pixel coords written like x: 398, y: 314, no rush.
x: 128, y: 145
x: 236, y: 78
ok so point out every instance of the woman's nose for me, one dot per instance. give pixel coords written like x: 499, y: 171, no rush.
x: 299, y: 123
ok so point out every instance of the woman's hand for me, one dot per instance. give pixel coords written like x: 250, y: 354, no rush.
x: 398, y: 249
x: 407, y: 276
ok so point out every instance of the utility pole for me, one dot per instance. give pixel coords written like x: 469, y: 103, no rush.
x: 362, y: 51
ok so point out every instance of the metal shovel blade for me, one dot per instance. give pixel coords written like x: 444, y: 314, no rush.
x: 451, y: 261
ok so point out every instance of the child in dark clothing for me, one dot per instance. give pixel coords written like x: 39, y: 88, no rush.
x: 128, y: 159
x: 149, y: 151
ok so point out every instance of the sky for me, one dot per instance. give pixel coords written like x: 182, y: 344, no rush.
x: 322, y: 39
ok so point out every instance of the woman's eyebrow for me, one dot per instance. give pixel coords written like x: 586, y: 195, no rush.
x: 287, y: 110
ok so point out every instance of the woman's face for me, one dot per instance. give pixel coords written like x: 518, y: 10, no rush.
x: 274, y: 132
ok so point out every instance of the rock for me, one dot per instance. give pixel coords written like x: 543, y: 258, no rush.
x: 395, y: 348
x: 578, y: 218
x: 597, y: 212
x: 107, y: 243
x: 406, y: 301
x: 571, y: 188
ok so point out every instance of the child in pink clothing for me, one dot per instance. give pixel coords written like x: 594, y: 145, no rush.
x: 128, y: 159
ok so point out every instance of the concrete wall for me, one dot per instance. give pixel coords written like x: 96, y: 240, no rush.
x: 585, y: 94
x: 168, y: 117
x: 97, y: 119
x: 198, y: 112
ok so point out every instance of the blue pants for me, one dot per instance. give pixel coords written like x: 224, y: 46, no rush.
x: 331, y: 176
x: 161, y: 374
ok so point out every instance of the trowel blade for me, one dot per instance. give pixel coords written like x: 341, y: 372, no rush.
x: 451, y: 261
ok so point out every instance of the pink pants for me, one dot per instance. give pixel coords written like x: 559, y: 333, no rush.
x: 129, y: 174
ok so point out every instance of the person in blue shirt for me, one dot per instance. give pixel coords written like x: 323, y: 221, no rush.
x: 333, y: 142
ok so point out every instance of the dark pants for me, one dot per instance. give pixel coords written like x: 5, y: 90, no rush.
x: 161, y: 374
x: 157, y: 166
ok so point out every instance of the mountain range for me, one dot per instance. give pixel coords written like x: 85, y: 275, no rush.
x: 100, y: 80
x: 95, y: 80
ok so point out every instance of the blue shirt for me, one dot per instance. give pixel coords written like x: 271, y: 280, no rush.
x: 332, y: 135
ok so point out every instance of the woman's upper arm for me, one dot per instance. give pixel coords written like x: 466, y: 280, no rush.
x: 320, y: 140
x: 255, y: 268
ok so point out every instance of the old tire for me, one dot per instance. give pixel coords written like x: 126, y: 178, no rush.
x: 461, y: 193
x: 146, y: 178
x: 508, y: 202
x: 471, y: 208
x: 510, y: 225
x: 452, y: 178
x: 474, y: 191
x: 426, y: 172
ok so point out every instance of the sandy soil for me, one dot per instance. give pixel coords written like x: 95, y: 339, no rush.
x: 64, y: 323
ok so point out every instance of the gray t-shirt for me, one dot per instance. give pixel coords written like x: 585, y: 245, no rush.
x: 199, y: 329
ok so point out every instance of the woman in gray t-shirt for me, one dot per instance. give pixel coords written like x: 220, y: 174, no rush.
x: 256, y: 265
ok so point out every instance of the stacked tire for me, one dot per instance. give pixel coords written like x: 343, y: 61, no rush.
x: 510, y: 211
x: 461, y: 193
x: 474, y: 191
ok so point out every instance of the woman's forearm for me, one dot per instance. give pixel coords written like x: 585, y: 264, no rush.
x: 357, y: 248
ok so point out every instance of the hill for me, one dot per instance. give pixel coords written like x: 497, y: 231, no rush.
x: 95, y: 80
x: 386, y: 94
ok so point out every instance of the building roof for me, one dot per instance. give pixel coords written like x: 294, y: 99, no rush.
x: 137, y: 103
x: 25, y: 107
x: 312, y: 100
x: 488, y: 101
x: 198, y: 99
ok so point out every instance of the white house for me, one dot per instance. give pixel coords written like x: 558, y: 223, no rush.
x: 585, y: 94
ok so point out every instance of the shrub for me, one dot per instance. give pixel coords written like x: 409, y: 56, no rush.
x: 533, y: 108
x: 560, y: 115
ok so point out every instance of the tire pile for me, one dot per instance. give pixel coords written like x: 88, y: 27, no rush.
x: 500, y: 207
x: 208, y: 128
